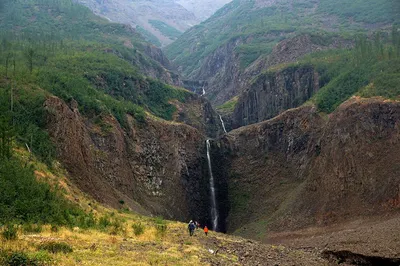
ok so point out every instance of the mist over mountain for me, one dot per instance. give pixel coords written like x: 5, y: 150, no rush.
x: 159, y: 21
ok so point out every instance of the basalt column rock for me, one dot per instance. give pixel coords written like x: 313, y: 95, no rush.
x: 303, y: 169
x: 154, y: 167
x: 274, y: 92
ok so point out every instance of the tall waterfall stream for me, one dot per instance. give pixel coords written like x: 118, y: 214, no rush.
x: 214, y: 210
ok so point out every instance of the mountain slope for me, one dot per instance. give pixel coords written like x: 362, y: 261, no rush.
x: 222, y: 48
x: 160, y: 21
x: 302, y: 169
x: 62, y: 22
x: 82, y: 96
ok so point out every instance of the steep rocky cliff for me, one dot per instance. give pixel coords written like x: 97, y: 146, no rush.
x: 244, y: 38
x: 274, y: 92
x: 156, y: 167
x: 300, y: 168
x: 226, y: 78
x: 296, y: 170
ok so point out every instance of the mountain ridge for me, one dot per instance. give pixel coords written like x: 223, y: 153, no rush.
x: 160, y: 21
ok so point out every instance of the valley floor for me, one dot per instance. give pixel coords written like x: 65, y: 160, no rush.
x: 176, y: 247
x: 377, y: 237
x: 374, y: 236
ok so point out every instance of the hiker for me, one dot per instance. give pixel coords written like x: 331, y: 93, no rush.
x: 191, y: 227
x: 206, y: 230
x: 197, y: 224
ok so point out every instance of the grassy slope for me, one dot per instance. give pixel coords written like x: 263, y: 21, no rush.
x: 115, y: 240
x: 59, y: 48
x: 268, y: 25
x: 370, y: 69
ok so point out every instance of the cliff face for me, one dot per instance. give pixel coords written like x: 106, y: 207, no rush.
x: 198, y: 113
x: 155, y: 167
x: 300, y: 169
x: 272, y: 93
x: 220, y: 70
x: 296, y: 170
x: 164, y: 71
x: 224, y: 77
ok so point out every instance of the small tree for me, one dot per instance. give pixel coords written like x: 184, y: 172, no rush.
x: 30, y: 54
x: 6, y: 136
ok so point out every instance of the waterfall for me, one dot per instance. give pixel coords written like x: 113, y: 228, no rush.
x: 214, y: 211
x: 204, y: 92
x: 222, y: 122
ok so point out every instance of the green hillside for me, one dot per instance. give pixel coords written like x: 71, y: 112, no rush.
x: 260, y: 27
x: 371, y: 69
x: 55, y: 47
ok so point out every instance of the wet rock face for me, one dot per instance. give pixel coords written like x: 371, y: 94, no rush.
x: 153, y: 167
x: 198, y: 113
x: 273, y: 93
x: 299, y: 169
x: 220, y: 70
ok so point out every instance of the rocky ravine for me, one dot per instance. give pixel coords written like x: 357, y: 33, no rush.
x: 225, y: 78
x: 155, y: 167
x: 301, y: 169
x: 296, y: 170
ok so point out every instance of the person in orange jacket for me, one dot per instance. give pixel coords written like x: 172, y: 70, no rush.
x: 206, y: 230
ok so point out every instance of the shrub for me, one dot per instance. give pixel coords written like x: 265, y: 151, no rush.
x: 10, y: 232
x: 32, y: 228
x: 54, y: 228
x: 56, y: 247
x: 41, y: 258
x: 161, y: 229
x: 17, y: 259
x: 104, y: 222
x: 117, y: 226
x: 20, y: 258
x: 138, y: 229
x: 161, y: 226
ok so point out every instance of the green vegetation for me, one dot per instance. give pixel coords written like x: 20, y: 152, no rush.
x: 250, y: 52
x: 148, y: 36
x: 24, y: 199
x: 138, y: 229
x: 165, y: 29
x: 256, y: 29
x: 370, y: 69
x: 228, y: 106
x: 367, y: 11
x: 61, y: 20
x: 161, y: 226
x: 10, y: 232
x: 56, y: 47
x: 19, y: 258
x: 86, y: 61
x: 55, y: 247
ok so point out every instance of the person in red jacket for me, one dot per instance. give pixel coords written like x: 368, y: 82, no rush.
x: 206, y: 230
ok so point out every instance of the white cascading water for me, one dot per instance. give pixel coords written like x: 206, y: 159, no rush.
x: 222, y: 122
x: 204, y: 92
x: 214, y: 211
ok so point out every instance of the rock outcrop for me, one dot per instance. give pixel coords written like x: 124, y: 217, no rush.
x: 296, y: 170
x: 226, y: 78
x: 154, y: 167
x: 301, y: 169
x: 274, y: 92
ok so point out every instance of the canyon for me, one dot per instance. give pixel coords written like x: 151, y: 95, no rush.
x: 265, y: 121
